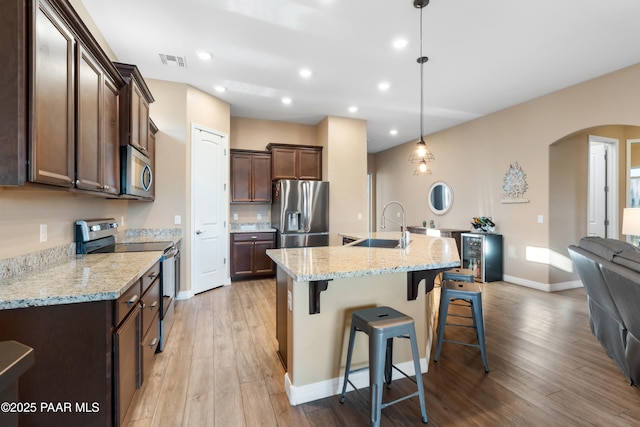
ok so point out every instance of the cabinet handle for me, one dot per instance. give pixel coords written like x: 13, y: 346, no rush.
x: 254, y: 237
x: 153, y: 342
x: 153, y: 305
x: 142, y: 305
x: 199, y: 231
x: 132, y: 300
x: 152, y: 275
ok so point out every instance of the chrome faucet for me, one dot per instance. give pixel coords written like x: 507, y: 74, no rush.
x: 404, y: 237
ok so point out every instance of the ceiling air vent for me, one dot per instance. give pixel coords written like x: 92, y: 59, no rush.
x: 172, y: 60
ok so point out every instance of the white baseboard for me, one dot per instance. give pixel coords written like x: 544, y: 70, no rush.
x: 190, y: 294
x: 332, y: 387
x: 546, y: 287
x: 185, y: 294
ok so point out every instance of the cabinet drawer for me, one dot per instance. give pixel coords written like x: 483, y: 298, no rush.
x: 150, y: 276
x: 250, y: 237
x: 127, y: 302
x: 150, y: 305
x: 149, y: 345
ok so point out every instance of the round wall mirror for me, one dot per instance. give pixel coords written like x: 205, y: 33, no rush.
x: 440, y: 198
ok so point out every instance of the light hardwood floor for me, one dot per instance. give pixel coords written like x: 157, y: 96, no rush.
x: 220, y: 369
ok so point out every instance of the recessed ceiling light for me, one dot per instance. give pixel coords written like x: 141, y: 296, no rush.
x: 393, y: 132
x: 204, y: 55
x: 220, y: 89
x: 384, y: 86
x: 286, y: 100
x: 400, y: 43
x: 305, y: 72
x: 353, y: 109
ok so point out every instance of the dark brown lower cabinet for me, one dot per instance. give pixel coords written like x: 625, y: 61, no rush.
x: 248, y: 255
x: 90, y: 358
x: 127, y: 350
x: 74, y: 362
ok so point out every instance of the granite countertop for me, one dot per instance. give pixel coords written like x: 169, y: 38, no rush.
x: 86, y: 278
x: 58, y: 276
x: 332, y: 262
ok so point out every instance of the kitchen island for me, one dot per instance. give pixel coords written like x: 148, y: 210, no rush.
x: 317, y: 289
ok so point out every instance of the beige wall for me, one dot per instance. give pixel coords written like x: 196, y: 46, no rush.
x: 255, y: 134
x: 345, y: 166
x: 23, y: 209
x: 474, y: 157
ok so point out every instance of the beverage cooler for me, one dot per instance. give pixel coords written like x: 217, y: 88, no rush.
x: 482, y: 253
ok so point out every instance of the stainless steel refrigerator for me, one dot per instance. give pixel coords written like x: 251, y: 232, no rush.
x: 300, y: 213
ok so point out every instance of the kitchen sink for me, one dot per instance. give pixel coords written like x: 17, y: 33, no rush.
x: 378, y: 243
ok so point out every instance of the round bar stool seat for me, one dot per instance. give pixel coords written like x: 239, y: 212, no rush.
x: 470, y: 292
x: 382, y: 324
x: 459, y: 274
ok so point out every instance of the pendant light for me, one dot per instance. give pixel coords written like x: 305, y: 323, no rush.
x: 422, y: 155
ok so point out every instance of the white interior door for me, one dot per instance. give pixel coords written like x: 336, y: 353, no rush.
x: 602, y: 199
x: 209, y: 207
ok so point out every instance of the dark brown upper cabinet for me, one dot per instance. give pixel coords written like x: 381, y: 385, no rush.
x: 59, y: 115
x: 98, y: 148
x: 135, y: 98
x: 295, y: 162
x: 250, y: 176
x: 52, y: 153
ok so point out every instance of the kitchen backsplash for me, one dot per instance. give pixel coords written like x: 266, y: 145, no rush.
x: 250, y: 213
x: 15, y: 266
x: 11, y: 267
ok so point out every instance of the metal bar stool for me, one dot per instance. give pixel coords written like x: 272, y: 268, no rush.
x: 470, y: 292
x: 382, y: 324
x: 458, y: 274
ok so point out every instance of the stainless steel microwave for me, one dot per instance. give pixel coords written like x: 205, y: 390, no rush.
x: 136, y: 173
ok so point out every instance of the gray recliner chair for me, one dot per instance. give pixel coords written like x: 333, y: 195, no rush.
x: 610, y: 272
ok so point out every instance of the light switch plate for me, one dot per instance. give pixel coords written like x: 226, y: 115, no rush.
x: 43, y: 233
x: 235, y: 216
x: 259, y: 216
x: 177, y: 220
x: 540, y: 219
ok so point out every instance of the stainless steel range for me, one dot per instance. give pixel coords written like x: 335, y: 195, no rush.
x: 98, y: 236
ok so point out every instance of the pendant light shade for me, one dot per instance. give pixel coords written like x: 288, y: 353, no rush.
x: 421, y: 155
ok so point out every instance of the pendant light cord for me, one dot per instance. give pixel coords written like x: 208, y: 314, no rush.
x: 421, y: 60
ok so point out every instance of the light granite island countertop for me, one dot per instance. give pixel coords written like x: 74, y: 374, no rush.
x: 317, y: 289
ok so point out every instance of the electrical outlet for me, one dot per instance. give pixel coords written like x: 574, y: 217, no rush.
x: 359, y: 216
x: 259, y: 216
x: 235, y: 216
x: 177, y: 219
x: 398, y: 215
x: 540, y: 219
x: 43, y: 233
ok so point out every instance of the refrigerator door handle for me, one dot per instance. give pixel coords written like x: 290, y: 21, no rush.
x: 306, y: 205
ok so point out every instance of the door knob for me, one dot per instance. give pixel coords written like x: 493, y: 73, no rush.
x: 199, y: 231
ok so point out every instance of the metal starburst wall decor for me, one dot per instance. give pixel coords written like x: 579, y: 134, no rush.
x: 515, y: 185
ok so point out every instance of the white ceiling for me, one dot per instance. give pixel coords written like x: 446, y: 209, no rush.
x: 484, y: 56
